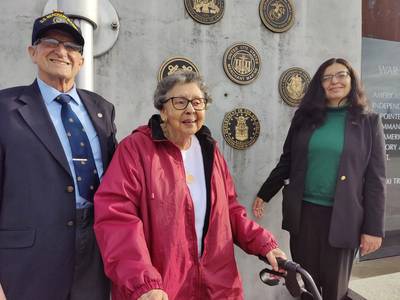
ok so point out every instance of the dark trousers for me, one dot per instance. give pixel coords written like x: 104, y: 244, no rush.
x: 330, y: 267
x: 89, y: 281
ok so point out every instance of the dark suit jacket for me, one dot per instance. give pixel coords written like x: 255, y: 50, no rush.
x: 359, y: 198
x: 37, y: 237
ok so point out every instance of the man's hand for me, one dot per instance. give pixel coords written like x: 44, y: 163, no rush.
x: 154, y: 295
x: 258, y: 207
x: 369, y: 243
x: 272, y: 255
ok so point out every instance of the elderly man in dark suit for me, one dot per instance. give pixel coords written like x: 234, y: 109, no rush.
x: 55, y: 143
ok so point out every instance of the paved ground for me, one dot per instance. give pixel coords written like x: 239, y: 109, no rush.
x: 377, y: 279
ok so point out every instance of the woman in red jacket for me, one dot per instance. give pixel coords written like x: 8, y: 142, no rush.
x: 332, y: 171
x: 166, y: 212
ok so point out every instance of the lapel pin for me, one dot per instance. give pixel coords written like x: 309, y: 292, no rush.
x: 100, y: 115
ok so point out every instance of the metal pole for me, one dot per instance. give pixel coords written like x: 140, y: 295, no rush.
x: 84, y: 12
x: 85, y: 78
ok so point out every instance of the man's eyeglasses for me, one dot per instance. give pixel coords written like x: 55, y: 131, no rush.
x: 180, y: 103
x: 53, y: 43
x: 340, y: 76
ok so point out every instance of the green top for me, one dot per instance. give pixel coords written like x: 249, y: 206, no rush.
x: 324, y: 151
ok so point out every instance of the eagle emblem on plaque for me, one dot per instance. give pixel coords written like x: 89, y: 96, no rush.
x: 277, y: 15
x: 240, y: 128
x: 293, y: 85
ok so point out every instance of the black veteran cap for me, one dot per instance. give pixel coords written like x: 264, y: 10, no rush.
x: 56, y: 20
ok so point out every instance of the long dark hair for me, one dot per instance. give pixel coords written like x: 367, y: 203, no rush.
x: 312, y: 109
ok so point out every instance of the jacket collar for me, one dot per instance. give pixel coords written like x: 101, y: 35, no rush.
x: 97, y: 115
x: 35, y: 114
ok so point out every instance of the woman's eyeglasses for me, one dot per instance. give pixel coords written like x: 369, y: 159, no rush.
x: 180, y: 103
x: 340, y: 76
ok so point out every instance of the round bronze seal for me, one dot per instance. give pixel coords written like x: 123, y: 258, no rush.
x: 205, y: 11
x: 174, y: 64
x: 240, y: 128
x: 242, y: 63
x: 293, y: 84
x: 277, y: 15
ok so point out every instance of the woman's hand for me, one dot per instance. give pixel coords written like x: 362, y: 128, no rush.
x: 154, y: 295
x: 2, y: 296
x: 258, y: 207
x: 369, y: 244
x: 272, y: 255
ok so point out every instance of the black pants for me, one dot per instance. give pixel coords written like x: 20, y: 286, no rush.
x: 329, y: 266
x: 89, y: 282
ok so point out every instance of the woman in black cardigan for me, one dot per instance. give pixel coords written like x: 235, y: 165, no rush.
x: 333, y: 172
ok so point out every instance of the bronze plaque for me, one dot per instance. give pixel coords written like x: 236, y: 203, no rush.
x: 205, y: 11
x: 277, y: 15
x: 242, y: 63
x: 174, y: 64
x: 293, y: 84
x: 240, y: 128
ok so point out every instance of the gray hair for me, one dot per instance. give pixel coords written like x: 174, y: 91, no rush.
x: 179, y: 77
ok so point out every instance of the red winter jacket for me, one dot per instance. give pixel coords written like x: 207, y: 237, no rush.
x: 144, y: 222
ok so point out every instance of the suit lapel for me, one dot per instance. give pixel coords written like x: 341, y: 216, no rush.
x: 351, y: 137
x: 97, y: 116
x: 303, y: 139
x: 300, y: 146
x: 35, y: 114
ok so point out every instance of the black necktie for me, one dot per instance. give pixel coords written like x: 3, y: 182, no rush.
x: 82, y: 155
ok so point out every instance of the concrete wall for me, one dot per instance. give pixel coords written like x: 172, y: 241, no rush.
x: 152, y: 31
